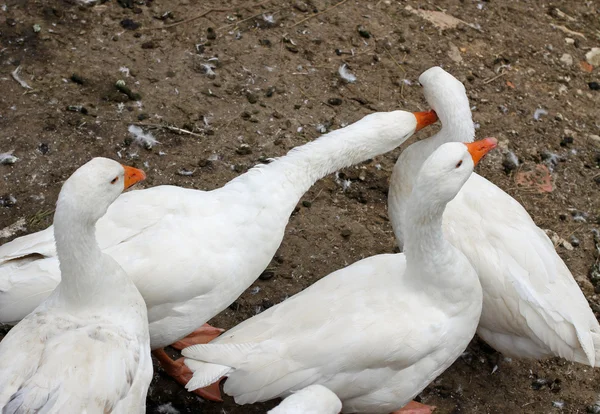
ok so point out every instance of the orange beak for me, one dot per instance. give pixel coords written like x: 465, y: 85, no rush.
x: 479, y: 148
x: 132, y: 176
x: 425, y: 118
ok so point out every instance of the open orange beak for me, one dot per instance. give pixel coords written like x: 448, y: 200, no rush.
x: 425, y: 118
x: 479, y: 148
x: 132, y: 176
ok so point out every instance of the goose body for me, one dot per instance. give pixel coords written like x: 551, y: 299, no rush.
x: 375, y: 333
x: 314, y: 399
x: 191, y: 253
x: 532, y: 306
x: 86, y: 348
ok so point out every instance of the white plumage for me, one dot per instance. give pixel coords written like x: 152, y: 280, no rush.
x: 376, y: 332
x: 191, y: 253
x: 532, y: 306
x: 86, y: 348
x: 314, y: 399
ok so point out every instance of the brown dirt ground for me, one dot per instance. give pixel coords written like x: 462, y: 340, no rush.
x: 290, y: 72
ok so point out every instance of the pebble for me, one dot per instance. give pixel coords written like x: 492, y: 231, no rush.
x: 270, y: 91
x: 594, y: 138
x: 306, y: 203
x: 567, y: 59
x: 211, y: 34
x: 243, y: 149
x: 267, y: 275
x: 334, y: 101
x: 346, y: 233
x: 566, y: 141
x: 129, y: 24
x: 363, y: 32
x: 8, y: 159
x: 43, y: 148
x: 77, y: 79
x: 595, y: 86
x: 575, y: 242
x: 185, y: 172
x: 7, y: 200
x: 301, y: 6
x: 593, y: 56
x: 569, y: 41
x: 252, y: 98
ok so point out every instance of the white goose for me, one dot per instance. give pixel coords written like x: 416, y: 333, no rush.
x: 375, y: 333
x: 314, y: 399
x: 532, y: 306
x: 86, y: 348
x: 191, y: 253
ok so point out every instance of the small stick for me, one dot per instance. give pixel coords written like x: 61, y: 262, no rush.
x: 485, y: 82
x: 394, y: 59
x: 204, y: 13
x: 170, y: 128
x: 316, y: 14
x: 246, y: 19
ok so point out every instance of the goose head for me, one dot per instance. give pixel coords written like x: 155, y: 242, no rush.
x: 94, y: 186
x: 448, y: 98
x: 450, y: 166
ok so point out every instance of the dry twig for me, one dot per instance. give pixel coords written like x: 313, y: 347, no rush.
x: 204, y: 13
x: 170, y: 128
x: 316, y: 14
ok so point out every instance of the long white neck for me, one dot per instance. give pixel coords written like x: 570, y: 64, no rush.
x: 457, y: 126
x: 88, y: 276
x: 432, y: 261
x: 289, y: 177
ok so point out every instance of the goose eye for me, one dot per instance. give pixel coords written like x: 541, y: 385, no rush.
x: 114, y: 180
x: 459, y: 164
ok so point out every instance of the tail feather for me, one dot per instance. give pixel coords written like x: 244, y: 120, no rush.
x: 205, y: 373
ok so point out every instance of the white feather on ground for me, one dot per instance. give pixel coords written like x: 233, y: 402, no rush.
x: 144, y: 139
x: 346, y: 74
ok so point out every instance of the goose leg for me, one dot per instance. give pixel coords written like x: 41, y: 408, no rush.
x: 202, y: 335
x: 414, y: 407
x: 182, y: 374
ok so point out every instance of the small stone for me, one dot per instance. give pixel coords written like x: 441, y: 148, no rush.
x: 593, y: 56
x: 346, y: 233
x: 334, y: 101
x: 595, y: 86
x: 252, y: 98
x: 211, y: 34
x: 43, y: 148
x: 575, y: 242
x: 301, y: 6
x: 7, y: 200
x: 143, y: 117
x: 77, y: 79
x: 569, y: 41
x: 595, y: 138
x: 566, y: 141
x: 270, y: 91
x: 265, y: 42
x: 306, y: 203
x: 129, y: 24
x: 363, y: 32
x: 267, y: 275
x: 185, y: 172
x: 566, y: 59
x: 243, y: 149
x: 150, y: 44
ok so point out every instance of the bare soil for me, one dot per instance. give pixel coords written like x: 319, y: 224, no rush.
x: 273, y: 85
